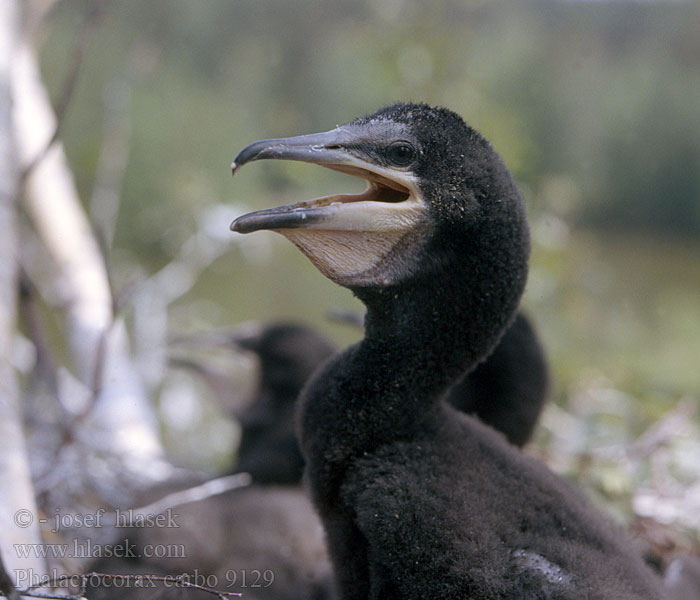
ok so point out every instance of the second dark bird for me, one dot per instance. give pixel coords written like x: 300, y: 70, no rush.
x: 506, y: 391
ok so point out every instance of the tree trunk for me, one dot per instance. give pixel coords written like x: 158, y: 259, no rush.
x: 18, y: 512
x: 121, y: 421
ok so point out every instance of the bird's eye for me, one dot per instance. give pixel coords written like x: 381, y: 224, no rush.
x: 401, y: 153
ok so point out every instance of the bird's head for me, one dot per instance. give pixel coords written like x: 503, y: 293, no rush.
x: 434, y: 188
x: 288, y: 354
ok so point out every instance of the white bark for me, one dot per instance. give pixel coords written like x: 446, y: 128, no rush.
x: 122, y: 422
x: 18, y: 513
x: 51, y: 199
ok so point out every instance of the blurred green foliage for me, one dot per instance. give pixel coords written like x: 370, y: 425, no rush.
x: 604, y: 93
x: 594, y: 105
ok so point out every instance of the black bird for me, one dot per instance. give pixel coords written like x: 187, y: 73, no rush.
x: 508, y: 390
x: 417, y: 499
x: 272, y: 529
x: 288, y: 354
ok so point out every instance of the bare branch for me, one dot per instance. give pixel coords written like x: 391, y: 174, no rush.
x: 84, y: 580
x: 52, y: 203
x: 7, y: 586
x: 212, y: 487
x: 113, y: 158
x: 120, y: 418
x: 16, y: 492
x: 75, y: 63
x: 45, y: 366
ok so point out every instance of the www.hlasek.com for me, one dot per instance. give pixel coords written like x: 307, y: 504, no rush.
x: 239, y: 578
x: 87, y: 549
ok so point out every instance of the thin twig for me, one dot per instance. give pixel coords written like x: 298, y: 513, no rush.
x: 45, y: 363
x: 213, y: 487
x: 663, y: 430
x: 7, y: 586
x: 65, y: 96
x: 85, y: 579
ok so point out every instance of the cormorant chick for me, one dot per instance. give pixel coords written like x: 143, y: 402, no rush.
x: 273, y: 529
x: 508, y: 390
x: 419, y: 500
x: 288, y: 355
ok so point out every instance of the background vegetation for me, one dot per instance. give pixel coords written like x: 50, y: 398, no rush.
x: 595, y: 106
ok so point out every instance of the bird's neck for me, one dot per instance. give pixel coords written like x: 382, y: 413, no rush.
x: 419, y: 340
x: 424, y: 337
x: 421, y: 336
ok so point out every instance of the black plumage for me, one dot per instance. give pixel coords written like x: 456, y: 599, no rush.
x: 419, y: 500
x: 288, y: 355
x: 271, y: 529
x: 508, y: 390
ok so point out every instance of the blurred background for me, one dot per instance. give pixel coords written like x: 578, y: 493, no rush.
x: 594, y: 105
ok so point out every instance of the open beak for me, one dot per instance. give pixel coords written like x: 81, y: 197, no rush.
x: 347, y: 236
x: 390, y: 201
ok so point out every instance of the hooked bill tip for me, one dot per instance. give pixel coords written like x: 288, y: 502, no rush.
x: 234, y: 168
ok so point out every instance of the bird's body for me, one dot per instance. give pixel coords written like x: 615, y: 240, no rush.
x: 509, y: 389
x: 288, y: 354
x: 271, y: 527
x: 418, y: 500
x: 506, y: 391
